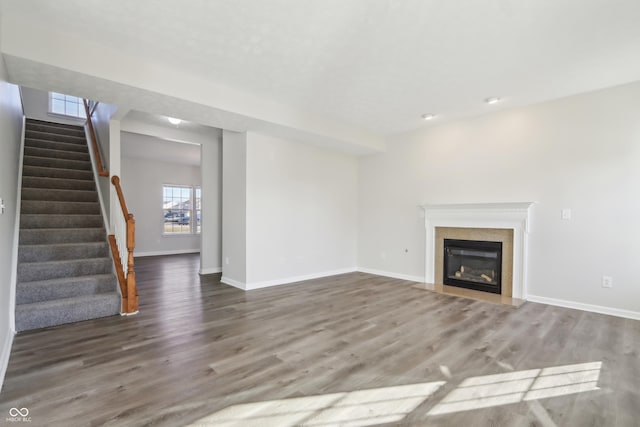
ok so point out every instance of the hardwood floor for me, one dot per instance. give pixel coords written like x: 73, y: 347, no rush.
x: 354, y: 349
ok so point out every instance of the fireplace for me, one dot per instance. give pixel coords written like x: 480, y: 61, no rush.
x: 473, y: 264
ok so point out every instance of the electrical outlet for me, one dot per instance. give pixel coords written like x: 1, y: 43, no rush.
x: 1, y: 206
x: 566, y: 214
x: 226, y: 260
x: 607, y: 282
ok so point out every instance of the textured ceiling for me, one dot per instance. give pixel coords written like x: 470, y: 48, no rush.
x: 376, y: 64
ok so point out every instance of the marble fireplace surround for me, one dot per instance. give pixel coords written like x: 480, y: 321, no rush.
x: 510, y: 216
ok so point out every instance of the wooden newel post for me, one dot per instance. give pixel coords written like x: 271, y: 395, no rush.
x: 132, y: 291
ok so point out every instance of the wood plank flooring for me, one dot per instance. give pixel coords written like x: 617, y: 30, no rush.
x: 354, y: 349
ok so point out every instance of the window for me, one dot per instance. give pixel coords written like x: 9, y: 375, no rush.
x: 180, y: 204
x: 66, y: 105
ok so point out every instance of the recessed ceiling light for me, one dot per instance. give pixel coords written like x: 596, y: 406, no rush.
x: 492, y: 100
x: 174, y: 121
x: 428, y: 116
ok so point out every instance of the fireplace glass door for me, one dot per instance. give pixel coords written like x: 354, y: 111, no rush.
x: 473, y: 264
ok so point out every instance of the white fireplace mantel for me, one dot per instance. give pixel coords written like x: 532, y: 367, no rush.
x: 513, y: 216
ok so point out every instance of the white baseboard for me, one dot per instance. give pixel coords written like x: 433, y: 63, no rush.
x: 287, y: 280
x: 401, y: 276
x: 284, y: 281
x: 4, y: 355
x: 173, y: 252
x: 628, y: 314
x: 210, y: 270
x: 234, y: 283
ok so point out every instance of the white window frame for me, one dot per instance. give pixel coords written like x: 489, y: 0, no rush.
x: 196, y: 210
x: 193, y: 212
x: 81, y: 116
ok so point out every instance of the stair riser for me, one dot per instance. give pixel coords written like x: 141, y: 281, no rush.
x: 59, y: 195
x: 57, y: 183
x: 57, y: 163
x: 55, y: 128
x: 56, y: 154
x: 50, y: 237
x: 60, y: 221
x: 42, y: 315
x: 29, y: 272
x: 46, y: 172
x: 29, y: 293
x: 63, y: 146
x: 42, y: 253
x: 40, y: 207
x: 46, y: 136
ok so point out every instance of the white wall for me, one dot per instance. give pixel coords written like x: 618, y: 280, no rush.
x: 10, y: 135
x: 36, y: 106
x: 142, y: 182
x: 211, y: 242
x: 301, y: 211
x: 234, y: 208
x: 581, y: 152
x: 101, y: 117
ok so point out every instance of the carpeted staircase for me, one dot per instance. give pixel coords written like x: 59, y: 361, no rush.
x: 65, y: 272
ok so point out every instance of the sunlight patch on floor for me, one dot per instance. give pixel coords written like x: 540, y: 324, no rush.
x: 392, y: 404
x: 354, y: 408
x: 513, y: 387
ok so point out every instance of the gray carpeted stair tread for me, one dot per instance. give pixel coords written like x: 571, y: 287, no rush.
x: 65, y: 270
x: 54, y: 153
x: 57, y: 163
x: 51, y: 172
x: 68, y: 310
x: 31, y: 221
x: 32, y: 271
x: 61, y: 251
x: 47, y: 194
x: 53, y: 145
x: 50, y: 136
x: 58, y: 207
x: 66, y: 127
x: 39, y: 236
x: 59, y: 183
x: 76, y: 131
x: 51, y: 289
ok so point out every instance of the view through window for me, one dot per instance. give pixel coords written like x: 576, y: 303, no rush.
x: 181, y: 204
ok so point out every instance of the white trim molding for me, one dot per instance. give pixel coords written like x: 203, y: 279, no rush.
x: 4, y: 356
x: 233, y: 282
x: 171, y: 252
x: 514, y: 216
x: 284, y: 281
x: 391, y: 274
x: 628, y: 314
x: 212, y: 270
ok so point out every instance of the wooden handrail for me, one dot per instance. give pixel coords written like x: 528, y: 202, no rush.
x: 127, y: 282
x: 94, y: 141
x: 115, y: 180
